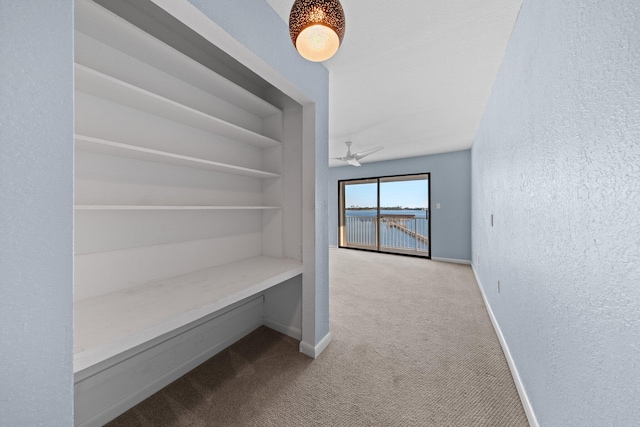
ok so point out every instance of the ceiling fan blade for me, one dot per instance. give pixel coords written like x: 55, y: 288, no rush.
x: 344, y: 159
x: 365, y: 153
x: 353, y: 162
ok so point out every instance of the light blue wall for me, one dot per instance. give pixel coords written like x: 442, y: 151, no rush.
x: 36, y: 213
x: 450, y: 186
x: 557, y: 161
x: 256, y: 25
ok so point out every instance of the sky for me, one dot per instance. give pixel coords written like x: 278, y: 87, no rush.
x: 413, y: 194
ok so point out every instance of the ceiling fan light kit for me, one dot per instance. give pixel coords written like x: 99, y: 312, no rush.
x: 316, y: 28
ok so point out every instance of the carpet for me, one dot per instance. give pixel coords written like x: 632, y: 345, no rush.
x: 412, y: 346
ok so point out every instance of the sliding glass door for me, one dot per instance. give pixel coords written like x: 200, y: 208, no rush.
x: 386, y: 214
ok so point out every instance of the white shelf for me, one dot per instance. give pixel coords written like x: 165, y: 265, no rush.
x: 101, y: 85
x: 110, y: 324
x: 127, y: 38
x: 97, y: 145
x: 167, y: 208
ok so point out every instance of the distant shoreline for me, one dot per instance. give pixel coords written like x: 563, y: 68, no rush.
x: 372, y: 212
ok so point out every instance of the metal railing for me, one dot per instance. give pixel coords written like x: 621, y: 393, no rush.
x: 361, y: 231
x: 397, y: 233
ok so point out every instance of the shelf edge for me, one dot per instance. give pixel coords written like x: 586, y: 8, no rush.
x: 212, y: 165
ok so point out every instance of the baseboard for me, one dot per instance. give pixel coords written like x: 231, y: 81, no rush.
x: 288, y: 330
x: 526, y: 403
x: 452, y: 260
x: 314, y: 351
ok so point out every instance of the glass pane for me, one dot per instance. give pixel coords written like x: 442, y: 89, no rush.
x: 361, y: 210
x: 404, y: 215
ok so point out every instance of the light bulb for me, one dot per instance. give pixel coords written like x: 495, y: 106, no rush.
x: 317, y: 43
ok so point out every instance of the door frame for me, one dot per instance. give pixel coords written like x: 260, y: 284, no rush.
x: 341, y: 219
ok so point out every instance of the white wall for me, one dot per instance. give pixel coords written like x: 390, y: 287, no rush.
x: 557, y: 161
x: 36, y: 213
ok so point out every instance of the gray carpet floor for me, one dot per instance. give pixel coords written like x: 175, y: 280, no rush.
x: 412, y: 346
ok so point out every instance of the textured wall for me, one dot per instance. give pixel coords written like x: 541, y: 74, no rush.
x: 36, y: 213
x: 557, y: 161
x: 450, y: 186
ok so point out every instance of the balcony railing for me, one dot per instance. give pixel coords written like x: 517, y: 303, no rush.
x: 361, y: 231
x: 395, y: 233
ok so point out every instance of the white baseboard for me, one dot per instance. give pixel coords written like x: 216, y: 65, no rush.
x: 526, y: 403
x: 452, y: 260
x: 314, y: 351
x: 288, y: 330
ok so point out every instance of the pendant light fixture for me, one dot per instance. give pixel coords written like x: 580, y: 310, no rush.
x: 316, y: 28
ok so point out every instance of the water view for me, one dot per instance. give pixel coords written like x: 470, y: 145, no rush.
x: 400, y: 229
x: 389, y: 214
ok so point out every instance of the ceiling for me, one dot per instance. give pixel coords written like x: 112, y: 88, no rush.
x: 413, y: 76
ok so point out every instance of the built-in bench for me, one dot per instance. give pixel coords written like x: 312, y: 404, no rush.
x: 110, y: 324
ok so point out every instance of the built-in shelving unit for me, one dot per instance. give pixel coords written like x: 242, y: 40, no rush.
x: 181, y: 208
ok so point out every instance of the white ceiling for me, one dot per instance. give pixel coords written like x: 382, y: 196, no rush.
x: 413, y: 75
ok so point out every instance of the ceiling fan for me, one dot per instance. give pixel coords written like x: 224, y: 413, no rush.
x: 352, y: 159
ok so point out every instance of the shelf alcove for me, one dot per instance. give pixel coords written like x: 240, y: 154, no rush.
x: 188, y: 219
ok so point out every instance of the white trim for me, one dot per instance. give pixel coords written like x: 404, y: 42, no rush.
x: 288, y: 330
x: 452, y: 260
x: 526, y: 403
x: 314, y: 351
